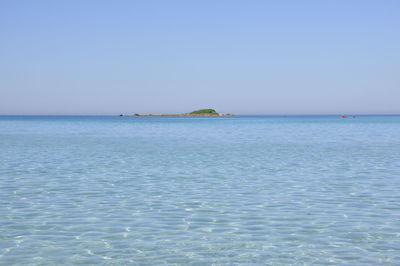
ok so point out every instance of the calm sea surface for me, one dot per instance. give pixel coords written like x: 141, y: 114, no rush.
x: 200, y: 191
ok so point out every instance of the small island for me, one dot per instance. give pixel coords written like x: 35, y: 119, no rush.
x: 201, y: 112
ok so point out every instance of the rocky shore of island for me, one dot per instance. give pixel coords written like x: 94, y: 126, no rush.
x: 201, y: 112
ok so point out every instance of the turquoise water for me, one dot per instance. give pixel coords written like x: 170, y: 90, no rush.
x: 200, y: 191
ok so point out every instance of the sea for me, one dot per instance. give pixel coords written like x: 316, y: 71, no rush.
x: 243, y: 190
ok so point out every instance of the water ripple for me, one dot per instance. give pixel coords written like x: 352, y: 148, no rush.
x: 251, y: 190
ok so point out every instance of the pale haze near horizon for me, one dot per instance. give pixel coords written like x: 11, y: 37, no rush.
x: 244, y: 57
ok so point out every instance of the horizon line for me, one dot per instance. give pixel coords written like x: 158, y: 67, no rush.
x: 301, y: 114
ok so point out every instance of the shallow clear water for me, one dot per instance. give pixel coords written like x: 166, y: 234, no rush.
x: 239, y: 190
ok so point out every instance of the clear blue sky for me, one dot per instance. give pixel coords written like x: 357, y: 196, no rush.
x: 244, y: 57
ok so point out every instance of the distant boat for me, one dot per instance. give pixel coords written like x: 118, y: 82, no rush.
x: 344, y: 116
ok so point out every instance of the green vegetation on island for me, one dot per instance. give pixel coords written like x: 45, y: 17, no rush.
x: 204, y: 111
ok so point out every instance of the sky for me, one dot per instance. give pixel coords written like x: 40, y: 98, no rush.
x: 97, y: 57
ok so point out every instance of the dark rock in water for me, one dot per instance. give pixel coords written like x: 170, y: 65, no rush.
x: 121, y: 115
